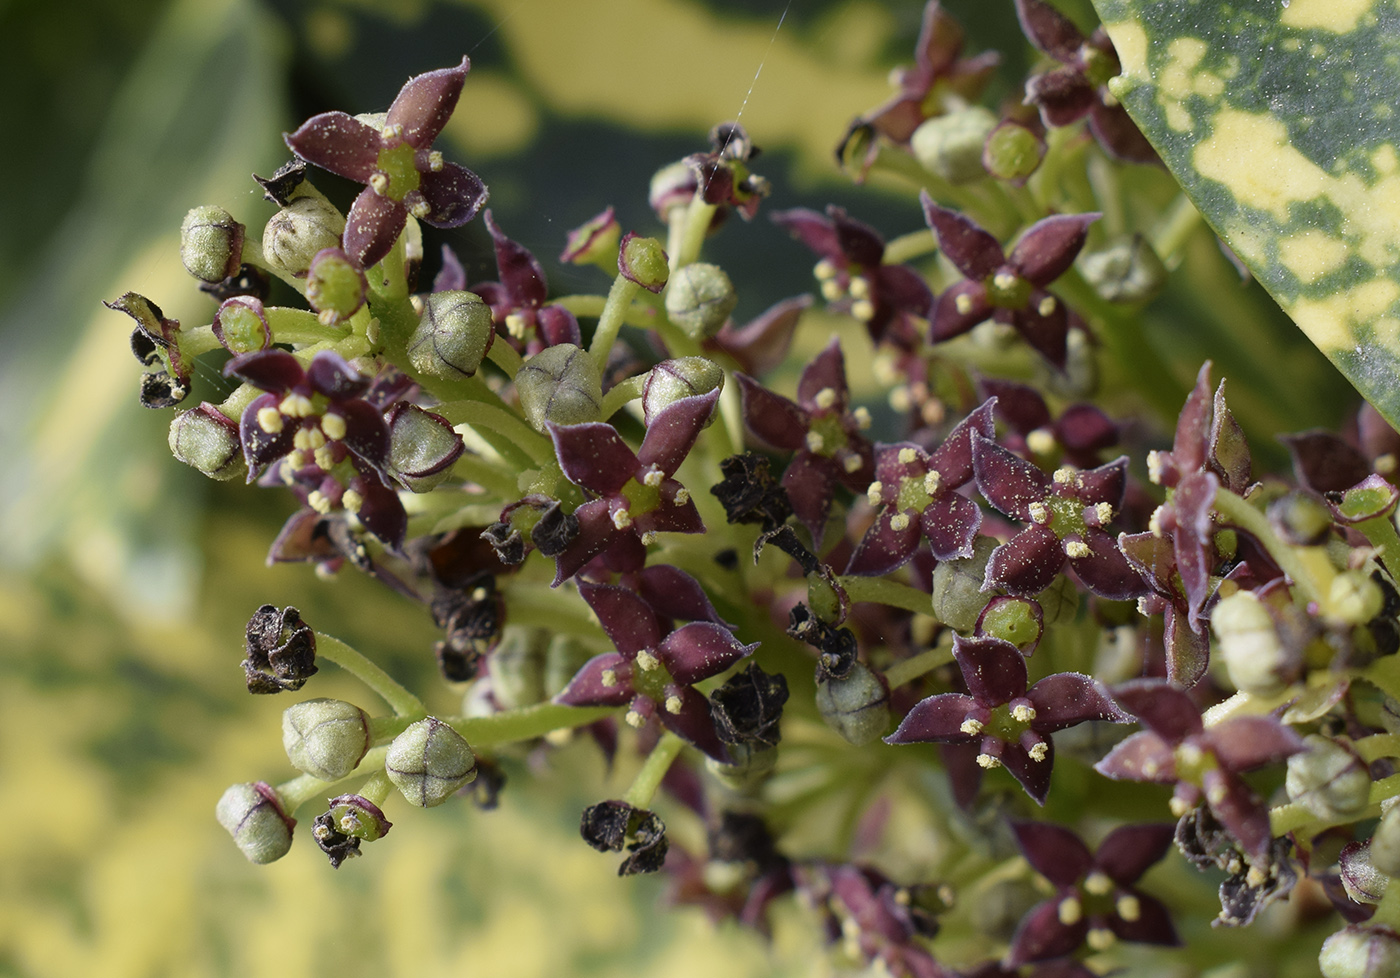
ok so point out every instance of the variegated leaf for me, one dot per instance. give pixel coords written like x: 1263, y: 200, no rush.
x: 1279, y: 119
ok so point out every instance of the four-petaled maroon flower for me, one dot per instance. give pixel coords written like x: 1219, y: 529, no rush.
x: 517, y: 301
x: 1067, y: 513
x: 636, y: 493
x: 1095, y: 897
x: 329, y: 438
x: 917, y: 495
x: 402, y: 173
x: 653, y: 671
x: 1081, y: 431
x: 1007, y: 288
x: 852, y: 272
x: 1176, y: 748
x: 820, y: 428
x: 1010, y: 724
x: 866, y: 907
x: 939, y: 69
x: 1079, y: 86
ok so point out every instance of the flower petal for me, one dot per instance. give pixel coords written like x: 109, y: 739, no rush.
x: 810, y: 481
x: 994, y: 669
x: 1049, y: 30
x: 827, y: 371
x: 1019, y: 406
x: 858, y: 241
x: 1240, y: 811
x: 453, y: 194
x: 671, y: 516
x: 1049, y: 247
x: 1105, y: 484
x: 1106, y: 571
x: 693, y: 722
x: 1129, y: 850
x: 700, y: 650
x: 425, y: 103
x: 591, y: 686
x: 938, y: 718
x: 380, y: 509
x: 814, y: 230
x: 951, y: 523
x: 1041, y: 935
x: 1325, y: 463
x: 672, y: 593
x: 673, y: 430
x: 521, y: 274
x: 595, y: 532
x: 1047, y: 332
x: 593, y: 455
x: 957, y: 309
x: 1144, y: 756
x: 1247, y: 742
x: 953, y: 459
x: 1160, y: 707
x: 372, y: 227
x: 339, y: 143
x: 883, y: 548
x: 772, y: 418
x: 629, y: 622
x: 269, y: 370
x: 1027, y: 563
x: 330, y: 375
x: 760, y: 345
x: 1008, y: 482
x: 1054, y: 852
x: 972, y: 250
x: 259, y: 446
x: 1119, y: 135
x: 1067, y: 698
x: 1152, y: 925
x: 1188, y: 652
x: 1063, y: 95
x: 366, y: 431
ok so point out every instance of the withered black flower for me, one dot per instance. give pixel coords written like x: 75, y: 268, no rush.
x: 837, y: 645
x: 748, y: 492
x: 747, y: 708
x: 610, y: 825
x: 281, y: 650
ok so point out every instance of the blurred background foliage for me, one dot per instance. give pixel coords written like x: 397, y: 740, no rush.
x: 125, y: 579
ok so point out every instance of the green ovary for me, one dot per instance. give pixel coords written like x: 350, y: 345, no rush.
x: 396, y: 164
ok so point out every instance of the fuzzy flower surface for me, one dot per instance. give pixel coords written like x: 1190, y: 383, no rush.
x: 1009, y: 723
x: 395, y: 161
x: 653, y: 671
x: 517, y: 301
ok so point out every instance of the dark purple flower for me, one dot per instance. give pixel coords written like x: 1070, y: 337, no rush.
x: 879, y: 915
x: 1010, y: 724
x: 918, y: 498
x: 1080, y: 433
x: 1007, y: 288
x: 939, y: 70
x: 1176, y: 748
x: 328, y: 437
x: 852, y: 272
x: 653, y: 672
x: 637, y: 494
x: 402, y: 173
x: 722, y: 175
x: 1079, y: 86
x: 517, y: 301
x: 1187, y: 647
x: 760, y: 345
x: 1095, y: 897
x: 1067, y: 513
x: 821, y: 428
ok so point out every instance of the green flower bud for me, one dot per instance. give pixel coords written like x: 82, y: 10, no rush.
x: 644, y: 261
x: 335, y: 288
x: 252, y: 813
x: 453, y: 335
x: 325, y: 738
x: 594, y: 242
x: 517, y: 666
x: 1354, y: 597
x: 1249, y: 644
x: 562, y: 384
x: 1329, y: 779
x: 1361, y: 952
x: 671, y: 380
x: 699, y: 299
x: 298, y: 231
x: 958, y: 598
x: 1012, y: 152
x: 240, y: 324
x: 429, y: 761
x: 1126, y: 271
x: 951, y: 145
x: 857, y: 707
x: 1385, y: 842
x: 1015, y: 620
x: 749, y: 766
x: 211, y: 244
x: 208, y: 440
x: 671, y: 186
x: 423, y: 447
x: 1300, y: 519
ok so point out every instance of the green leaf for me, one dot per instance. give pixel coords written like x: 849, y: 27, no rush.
x: 1279, y: 120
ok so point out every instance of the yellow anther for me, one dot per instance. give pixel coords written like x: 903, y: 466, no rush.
x: 899, y: 522
x: 1039, y: 752
x: 673, y: 704
x: 825, y: 270
x: 515, y: 325
x: 435, y: 161
x: 1100, y: 938
x: 297, y: 460
x: 1217, y: 794
x: 1047, y: 305
x: 328, y: 317
x: 1178, y: 807
x: 480, y: 594
x: 635, y: 719
x: 648, y: 538
x: 646, y: 661
x: 1103, y: 512
x: 654, y: 477
x: 932, y: 481
x: 971, y: 726
x: 379, y: 183
x: 963, y: 304
x: 1384, y: 464
x: 1098, y: 883
x: 270, y: 420
x: 1070, y: 911
x: 874, y: 493
x: 317, y: 500
x: 859, y: 287
x: 1040, y: 441
x: 1023, y: 713
x: 863, y: 309
x: 831, y: 290
x: 900, y: 399
x: 302, y: 440
x: 862, y: 416
x: 394, y: 131
x: 682, y: 496
x: 1077, y: 549
x: 324, y: 457
x: 334, y: 426
x: 851, y: 462
x: 1154, y: 522
x: 352, y: 500
x: 1190, y: 755
x: 1064, y: 476
x: 1154, y: 467
x: 1004, y: 280
x: 826, y: 398
x: 1129, y: 907
x: 907, y: 456
x: 297, y: 406
x: 815, y: 442
x: 608, y: 678
x: 1040, y: 513
x: 622, y: 519
x: 420, y: 209
x: 987, y: 761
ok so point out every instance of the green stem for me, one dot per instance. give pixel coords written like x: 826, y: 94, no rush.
x: 610, y: 319
x: 697, y: 224
x: 389, y: 279
x: 621, y: 393
x: 881, y: 591
x: 1175, y: 230
x: 496, y: 480
x: 234, y: 405
x: 298, y: 791
x: 1380, y: 534
x: 300, y: 327
x: 525, y: 444
x: 253, y: 255
x: 400, y: 700
x: 377, y: 789
x: 526, y: 723
x: 909, y: 246
x: 503, y: 355
x: 925, y: 662
x: 583, y: 305
x: 1239, y: 512
x: 658, y: 762
x: 1388, y: 910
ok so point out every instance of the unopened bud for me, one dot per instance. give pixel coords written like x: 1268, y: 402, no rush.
x: 1354, y: 597
x: 517, y: 666
x: 958, y: 598
x: 1012, y: 152
x: 671, y: 380
x: 699, y: 299
x: 1126, y: 271
x: 857, y: 707
x: 1015, y: 620
x: 749, y: 766
x: 1300, y: 519
x: 453, y: 335
x: 1361, y: 952
x: 207, y: 440
x: 252, y: 813
x: 423, y: 447
x: 671, y: 187
x: 1249, y: 644
x: 561, y: 384
x: 644, y: 261
x: 1329, y: 780
x: 335, y: 288
x: 594, y: 242
x: 1385, y: 842
x: 429, y: 761
x: 240, y: 324
x: 211, y: 244
x: 325, y: 738
x: 951, y: 145
x: 299, y: 230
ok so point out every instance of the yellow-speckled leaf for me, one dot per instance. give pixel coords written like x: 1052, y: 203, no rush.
x: 1279, y: 119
